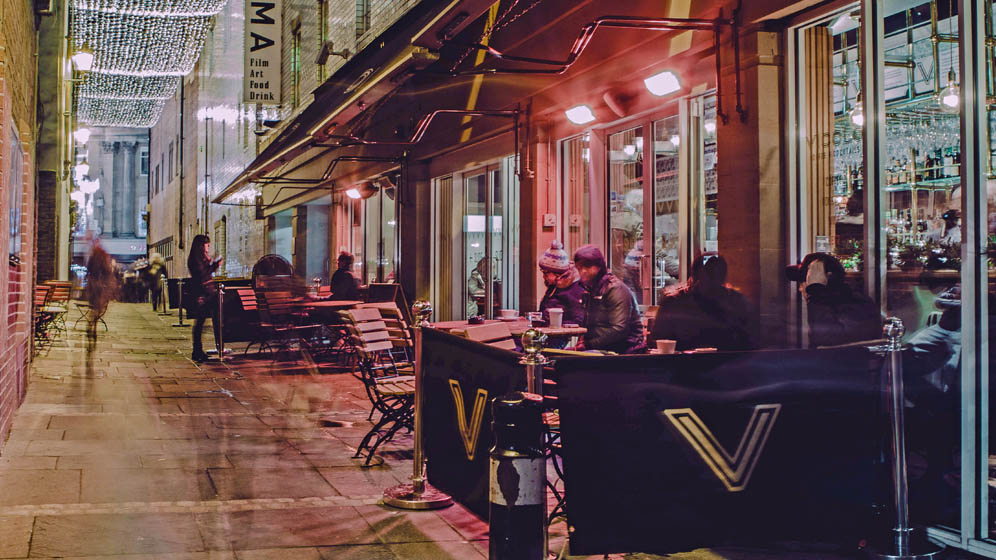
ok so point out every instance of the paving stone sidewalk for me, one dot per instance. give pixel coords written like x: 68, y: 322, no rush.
x: 144, y: 454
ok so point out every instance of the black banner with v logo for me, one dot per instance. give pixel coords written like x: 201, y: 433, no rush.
x: 670, y: 453
x: 462, y: 377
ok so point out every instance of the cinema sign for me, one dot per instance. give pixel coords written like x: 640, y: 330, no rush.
x: 261, y: 68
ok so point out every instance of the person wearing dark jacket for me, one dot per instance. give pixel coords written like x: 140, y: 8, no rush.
x: 705, y: 313
x: 563, y: 285
x: 343, y: 284
x: 611, y: 315
x: 837, y: 314
x: 202, y: 291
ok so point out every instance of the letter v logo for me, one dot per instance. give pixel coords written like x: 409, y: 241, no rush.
x: 733, y: 471
x: 469, y: 433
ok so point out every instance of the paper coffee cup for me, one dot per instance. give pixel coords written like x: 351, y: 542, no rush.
x: 556, y: 316
x: 509, y: 313
x: 665, y: 346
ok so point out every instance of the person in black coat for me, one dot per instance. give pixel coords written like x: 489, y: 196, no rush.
x: 343, y: 284
x: 202, y: 291
x: 837, y: 314
x: 706, y: 313
x: 611, y: 315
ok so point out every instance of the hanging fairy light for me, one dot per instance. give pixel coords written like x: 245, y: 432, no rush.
x: 113, y: 86
x: 140, y: 49
x: 140, y: 45
x: 141, y: 113
x: 152, y: 7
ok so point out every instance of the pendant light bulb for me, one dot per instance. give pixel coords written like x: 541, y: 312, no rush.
x: 950, y: 96
x: 858, y: 114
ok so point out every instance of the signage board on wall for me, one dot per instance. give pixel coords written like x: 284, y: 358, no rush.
x: 261, y: 68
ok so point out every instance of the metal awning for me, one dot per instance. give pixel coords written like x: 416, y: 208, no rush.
x: 296, y: 158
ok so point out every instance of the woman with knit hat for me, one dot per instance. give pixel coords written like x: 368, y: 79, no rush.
x: 563, y: 285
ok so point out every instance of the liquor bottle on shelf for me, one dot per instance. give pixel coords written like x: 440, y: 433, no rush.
x: 949, y: 169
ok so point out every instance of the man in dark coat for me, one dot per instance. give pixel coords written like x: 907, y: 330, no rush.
x: 611, y: 315
x: 837, y: 314
x: 343, y: 284
x: 563, y: 285
x: 706, y: 313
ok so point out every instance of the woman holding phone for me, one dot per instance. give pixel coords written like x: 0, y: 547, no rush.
x: 202, y: 291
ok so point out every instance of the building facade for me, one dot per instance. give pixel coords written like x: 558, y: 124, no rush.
x: 469, y: 137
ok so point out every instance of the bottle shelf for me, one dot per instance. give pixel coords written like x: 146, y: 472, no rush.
x: 943, y: 183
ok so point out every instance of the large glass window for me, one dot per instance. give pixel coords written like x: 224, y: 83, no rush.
x: 625, y: 167
x: 667, y: 235
x: 576, y: 160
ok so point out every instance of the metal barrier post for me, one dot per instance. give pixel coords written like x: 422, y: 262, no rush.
x: 163, y: 296
x: 418, y: 494
x: 903, y: 546
x: 179, y: 297
x: 221, y: 322
x: 533, y: 342
x: 517, y: 520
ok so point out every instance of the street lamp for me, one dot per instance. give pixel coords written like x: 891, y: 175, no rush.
x: 83, y: 59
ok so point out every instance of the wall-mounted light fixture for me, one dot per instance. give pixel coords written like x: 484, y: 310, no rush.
x: 82, y: 169
x: 83, y: 59
x: 354, y: 193
x: 580, y: 114
x: 663, y: 83
x: 81, y: 135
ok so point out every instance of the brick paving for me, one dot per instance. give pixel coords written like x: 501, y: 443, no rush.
x: 147, y: 455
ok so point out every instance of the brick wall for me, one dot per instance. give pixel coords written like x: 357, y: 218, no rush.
x: 17, y: 80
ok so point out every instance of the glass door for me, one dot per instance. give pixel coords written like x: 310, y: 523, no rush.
x: 490, y: 239
x: 681, y: 219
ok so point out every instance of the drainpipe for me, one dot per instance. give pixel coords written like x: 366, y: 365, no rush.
x: 180, y: 223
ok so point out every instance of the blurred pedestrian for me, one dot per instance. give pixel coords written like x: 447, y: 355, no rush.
x: 101, y: 288
x: 705, y: 313
x: 611, y: 314
x: 152, y: 276
x: 203, y: 292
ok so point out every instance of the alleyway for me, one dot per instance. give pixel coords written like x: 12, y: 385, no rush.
x: 152, y: 456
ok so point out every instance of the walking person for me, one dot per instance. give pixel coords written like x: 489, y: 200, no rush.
x: 202, y: 291
x: 101, y: 286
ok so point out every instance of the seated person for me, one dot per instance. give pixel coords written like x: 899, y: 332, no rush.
x: 611, y: 315
x: 705, y: 313
x: 343, y: 284
x: 837, y: 315
x: 563, y: 285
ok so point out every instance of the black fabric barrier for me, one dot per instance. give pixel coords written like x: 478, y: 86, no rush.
x: 456, y: 446
x: 665, y: 454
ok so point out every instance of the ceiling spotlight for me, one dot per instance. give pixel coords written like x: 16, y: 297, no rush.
x: 950, y: 96
x: 580, y: 114
x: 354, y: 193
x: 662, y: 84
x: 82, y: 135
x: 83, y: 59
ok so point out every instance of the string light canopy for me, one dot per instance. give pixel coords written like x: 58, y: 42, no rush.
x: 140, y: 49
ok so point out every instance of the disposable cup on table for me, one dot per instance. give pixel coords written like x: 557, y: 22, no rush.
x: 509, y: 314
x: 556, y: 317
x: 666, y: 346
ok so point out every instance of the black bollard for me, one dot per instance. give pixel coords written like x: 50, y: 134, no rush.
x: 518, y: 477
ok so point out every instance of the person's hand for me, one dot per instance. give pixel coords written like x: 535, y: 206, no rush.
x: 816, y: 274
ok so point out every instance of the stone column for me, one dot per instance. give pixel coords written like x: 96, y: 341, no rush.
x: 128, y: 202
x: 117, y: 180
x: 752, y: 193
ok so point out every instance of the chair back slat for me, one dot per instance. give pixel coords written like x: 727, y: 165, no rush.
x: 363, y: 315
x: 371, y: 326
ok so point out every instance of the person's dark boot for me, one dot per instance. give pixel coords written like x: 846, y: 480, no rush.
x: 198, y: 355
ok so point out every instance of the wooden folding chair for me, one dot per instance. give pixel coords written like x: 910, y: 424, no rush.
x: 494, y: 334
x: 389, y: 383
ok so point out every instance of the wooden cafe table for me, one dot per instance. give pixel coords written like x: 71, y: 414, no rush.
x: 516, y: 328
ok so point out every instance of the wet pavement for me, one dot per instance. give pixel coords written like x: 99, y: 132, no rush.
x: 143, y: 454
